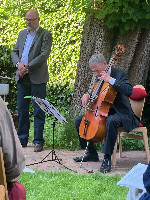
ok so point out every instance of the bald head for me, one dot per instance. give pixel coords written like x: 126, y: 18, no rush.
x: 32, y: 20
x: 33, y: 12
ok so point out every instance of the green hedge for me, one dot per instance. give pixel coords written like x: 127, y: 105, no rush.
x: 66, y: 28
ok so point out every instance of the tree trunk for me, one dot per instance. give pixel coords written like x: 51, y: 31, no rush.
x: 98, y: 38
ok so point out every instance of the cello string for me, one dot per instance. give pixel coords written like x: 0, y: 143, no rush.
x: 102, y: 81
x: 115, y: 57
x: 89, y: 103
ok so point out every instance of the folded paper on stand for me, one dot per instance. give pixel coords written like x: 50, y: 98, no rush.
x: 49, y: 108
x: 134, y: 178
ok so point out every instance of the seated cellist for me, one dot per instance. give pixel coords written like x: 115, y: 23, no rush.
x: 120, y: 113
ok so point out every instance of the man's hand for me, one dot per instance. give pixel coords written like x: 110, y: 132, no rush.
x: 85, y: 99
x: 104, y: 76
x: 22, y: 69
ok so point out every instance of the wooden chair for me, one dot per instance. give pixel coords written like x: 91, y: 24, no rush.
x: 137, y: 107
x: 3, y: 183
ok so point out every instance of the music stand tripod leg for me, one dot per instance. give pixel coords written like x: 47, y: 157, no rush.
x: 54, y: 156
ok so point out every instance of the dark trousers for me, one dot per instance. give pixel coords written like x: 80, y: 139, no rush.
x: 113, y: 122
x: 26, y: 88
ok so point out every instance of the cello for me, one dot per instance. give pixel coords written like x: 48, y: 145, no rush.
x: 93, y: 124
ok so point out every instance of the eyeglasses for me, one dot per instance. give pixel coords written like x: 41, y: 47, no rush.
x: 30, y: 20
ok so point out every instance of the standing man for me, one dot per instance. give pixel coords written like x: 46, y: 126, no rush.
x: 30, y: 55
x: 120, y: 113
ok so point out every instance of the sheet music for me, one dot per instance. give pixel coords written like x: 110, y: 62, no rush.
x: 49, y: 108
x: 134, y: 178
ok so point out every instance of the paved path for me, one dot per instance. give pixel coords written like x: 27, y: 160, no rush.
x: 65, y: 161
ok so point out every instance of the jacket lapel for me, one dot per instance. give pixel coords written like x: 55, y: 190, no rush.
x: 113, y: 72
x: 36, y: 36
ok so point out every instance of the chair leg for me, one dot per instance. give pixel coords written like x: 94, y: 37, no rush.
x: 145, y: 138
x: 114, y: 154
x: 120, y: 145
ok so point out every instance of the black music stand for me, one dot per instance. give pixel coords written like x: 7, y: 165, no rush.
x: 50, y: 109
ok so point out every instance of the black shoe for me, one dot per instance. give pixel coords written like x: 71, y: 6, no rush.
x: 24, y: 145
x: 87, y: 157
x: 106, y: 166
x: 38, y: 147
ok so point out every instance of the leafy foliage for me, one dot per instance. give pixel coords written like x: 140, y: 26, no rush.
x: 64, y: 133
x: 57, y: 17
x: 126, y: 15
x: 130, y: 144
x: 6, y: 69
x: 66, y: 136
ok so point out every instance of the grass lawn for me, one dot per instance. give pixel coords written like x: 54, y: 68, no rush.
x: 47, y: 185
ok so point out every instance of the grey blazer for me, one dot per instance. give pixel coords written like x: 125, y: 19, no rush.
x: 38, y: 55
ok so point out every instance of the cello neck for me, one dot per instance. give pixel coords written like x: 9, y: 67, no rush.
x: 121, y: 49
x: 97, y: 90
x: 101, y: 81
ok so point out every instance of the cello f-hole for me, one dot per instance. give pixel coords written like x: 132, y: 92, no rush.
x: 96, y: 112
x: 85, y: 125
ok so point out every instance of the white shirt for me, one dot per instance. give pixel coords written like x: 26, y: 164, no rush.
x: 29, y: 39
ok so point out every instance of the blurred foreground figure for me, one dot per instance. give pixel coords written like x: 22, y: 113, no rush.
x: 14, y: 160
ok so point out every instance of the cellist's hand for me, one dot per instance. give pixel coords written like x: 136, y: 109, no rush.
x: 85, y: 99
x: 104, y: 76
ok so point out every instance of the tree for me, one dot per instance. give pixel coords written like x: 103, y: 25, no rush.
x: 97, y: 37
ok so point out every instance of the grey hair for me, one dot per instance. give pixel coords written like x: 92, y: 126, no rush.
x: 99, y: 58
